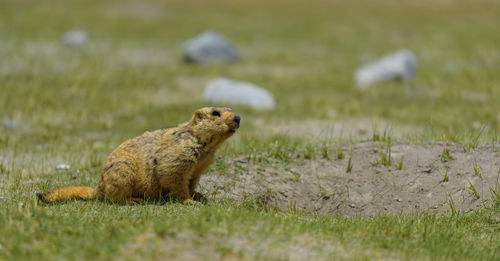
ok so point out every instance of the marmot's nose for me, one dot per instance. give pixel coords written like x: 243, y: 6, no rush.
x: 237, y: 119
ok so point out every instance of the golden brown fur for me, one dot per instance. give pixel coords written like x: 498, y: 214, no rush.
x: 166, y: 162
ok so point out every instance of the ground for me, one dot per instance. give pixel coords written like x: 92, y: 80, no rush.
x: 399, y: 171
x: 418, y: 178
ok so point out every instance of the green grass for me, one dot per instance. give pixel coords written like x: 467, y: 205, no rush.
x: 91, y: 230
x: 446, y: 155
x: 75, y: 106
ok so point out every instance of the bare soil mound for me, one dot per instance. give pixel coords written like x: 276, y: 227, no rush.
x: 436, y: 178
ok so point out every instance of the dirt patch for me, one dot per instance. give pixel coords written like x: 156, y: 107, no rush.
x: 418, y: 178
x: 188, y: 245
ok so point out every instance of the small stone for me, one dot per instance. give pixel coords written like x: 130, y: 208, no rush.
x: 479, y: 126
x: 209, y: 47
x: 62, y: 167
x: 225, y: 91
x: 9, y: 124
x: 72, y: 175
x: 20, y: 204
x: 400, y: 65
x: 352, y: 205
x: 362, y: 131
x: 74, y: 38
x: 398, y: 200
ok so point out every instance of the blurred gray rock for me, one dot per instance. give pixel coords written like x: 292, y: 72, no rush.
x: 74, y: 38
x: 9, y: 124
x: 209, y: 47
x: 400, y: 65
x: 224, y: 91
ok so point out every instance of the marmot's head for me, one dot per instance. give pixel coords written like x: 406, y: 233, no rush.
x: 213, y: 125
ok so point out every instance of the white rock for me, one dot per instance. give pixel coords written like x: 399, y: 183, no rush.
x: 74, y: 38
x: 209, y: 47
x: 62, y: 167
x: 400, y: 65
x: 225, y: 91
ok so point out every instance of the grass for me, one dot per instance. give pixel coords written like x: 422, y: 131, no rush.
x: 446, y: 155
x: 385, y: 153
x: 74, y: 106
x: 446, y: 177
x: 474, y: 191
x: 476, y: 166
x: 349, y: 165
x: 340, y: 155
x: 96, y: 230
x: 401, y: 163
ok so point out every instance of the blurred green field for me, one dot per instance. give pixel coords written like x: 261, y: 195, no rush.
x: 74, y: 106
x: 131, y: 70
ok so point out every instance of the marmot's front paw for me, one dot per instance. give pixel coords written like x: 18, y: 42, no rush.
x: 190, y: 202
x: 199, y: 197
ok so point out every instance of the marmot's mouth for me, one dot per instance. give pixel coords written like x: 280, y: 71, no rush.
x: 233, y: 129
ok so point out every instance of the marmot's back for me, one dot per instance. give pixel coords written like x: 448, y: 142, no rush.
x: 141, y: 147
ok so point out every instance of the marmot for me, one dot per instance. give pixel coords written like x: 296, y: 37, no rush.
x: 165, y: 162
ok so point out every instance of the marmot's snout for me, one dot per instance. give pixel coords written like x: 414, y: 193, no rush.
x: 235, y: 124
x: 237, y: 120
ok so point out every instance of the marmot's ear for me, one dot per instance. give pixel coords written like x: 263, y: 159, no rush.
x: 198, y: 116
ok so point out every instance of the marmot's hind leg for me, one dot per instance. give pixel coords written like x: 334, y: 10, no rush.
x: 117, y: 181
x: 177, y: 186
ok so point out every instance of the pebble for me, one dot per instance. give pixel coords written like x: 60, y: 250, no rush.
x: 9, y: 124
x: 75, y: 38
x: 73, y: 175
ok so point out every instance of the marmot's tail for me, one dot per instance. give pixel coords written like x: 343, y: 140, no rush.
x: 67, y: 193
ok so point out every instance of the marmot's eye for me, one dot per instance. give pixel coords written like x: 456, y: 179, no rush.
x: 216, y: 113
